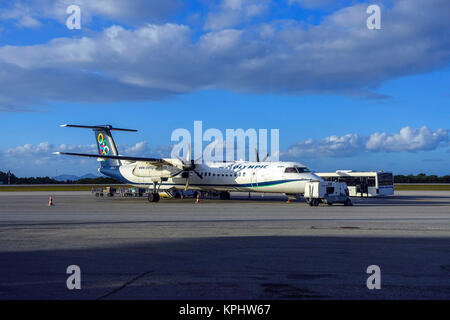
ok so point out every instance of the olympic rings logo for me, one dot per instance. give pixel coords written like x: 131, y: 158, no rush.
x: 103, y: 145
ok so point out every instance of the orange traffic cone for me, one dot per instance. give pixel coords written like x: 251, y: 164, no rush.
x: 288, y: 200
x: 198, y: 199
x: 50, y: 201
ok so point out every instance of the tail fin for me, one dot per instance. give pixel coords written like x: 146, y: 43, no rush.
x: 105, y: 142
x: 106, y: 147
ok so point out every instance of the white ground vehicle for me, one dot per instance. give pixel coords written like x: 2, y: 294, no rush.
x: 328, y: 192
x: 363, y: 184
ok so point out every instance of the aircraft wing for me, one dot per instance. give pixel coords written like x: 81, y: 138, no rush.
x: 154, y: 161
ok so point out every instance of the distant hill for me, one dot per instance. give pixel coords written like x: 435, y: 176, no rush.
x: 65, y: 177
x: 89, y: 176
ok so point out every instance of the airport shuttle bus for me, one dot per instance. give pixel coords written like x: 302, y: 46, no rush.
x: 363, y: 184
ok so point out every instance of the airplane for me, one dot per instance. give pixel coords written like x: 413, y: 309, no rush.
x: 175, y: 175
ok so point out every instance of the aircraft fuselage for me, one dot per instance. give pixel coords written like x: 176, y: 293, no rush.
x: 218, y: 176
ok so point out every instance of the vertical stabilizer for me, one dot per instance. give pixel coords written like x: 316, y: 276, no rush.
x: 105, y: 142
x: 106, y: 147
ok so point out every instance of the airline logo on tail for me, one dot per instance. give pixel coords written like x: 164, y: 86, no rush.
x: 103, y: 145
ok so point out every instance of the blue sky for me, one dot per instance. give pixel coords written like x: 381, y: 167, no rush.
x: 342, y: 96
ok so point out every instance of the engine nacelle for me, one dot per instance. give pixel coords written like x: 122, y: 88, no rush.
x: 144, y: 169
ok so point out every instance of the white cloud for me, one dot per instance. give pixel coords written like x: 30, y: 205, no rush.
x: 318, y: 4
x: 408, y: 139
x: 28, y: 150
x: 28, y: 13
x: 21, y: 15
x: 153, y: 61
x: 28, y: 159
x: 138, y: 149
x: 235, y: 12
x: 333, y: 146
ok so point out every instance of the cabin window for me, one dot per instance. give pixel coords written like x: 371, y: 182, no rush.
x: 290, y: 170
x: 303, y: 170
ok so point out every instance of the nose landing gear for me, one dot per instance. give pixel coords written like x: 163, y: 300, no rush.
x: 313, y: 202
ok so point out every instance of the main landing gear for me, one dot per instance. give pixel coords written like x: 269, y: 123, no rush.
x: 224, y: 195
x: 154, y: 195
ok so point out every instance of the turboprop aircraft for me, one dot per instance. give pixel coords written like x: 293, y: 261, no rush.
x: 177, y: 174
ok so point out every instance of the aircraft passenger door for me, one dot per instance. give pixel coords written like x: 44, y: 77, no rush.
x: 364, y: 186
x: 254, y: 178
x: 262, y: 176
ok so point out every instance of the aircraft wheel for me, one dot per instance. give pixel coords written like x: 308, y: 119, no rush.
x: 224, y: 195
x: 153, y: 197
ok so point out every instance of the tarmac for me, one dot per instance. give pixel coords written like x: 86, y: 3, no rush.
x: 258, y: 248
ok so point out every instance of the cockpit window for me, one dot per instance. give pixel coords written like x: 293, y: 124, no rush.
x: 302, y: 170
x: 290, y: 170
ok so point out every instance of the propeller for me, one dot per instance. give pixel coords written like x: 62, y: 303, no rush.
x: 188, y: 165
x: 257, y: 156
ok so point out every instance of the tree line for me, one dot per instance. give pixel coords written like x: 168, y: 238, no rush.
x: 420, y: 178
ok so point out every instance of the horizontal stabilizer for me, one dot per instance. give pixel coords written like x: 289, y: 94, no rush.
x: 153, y: 160
x: 104, y: 127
